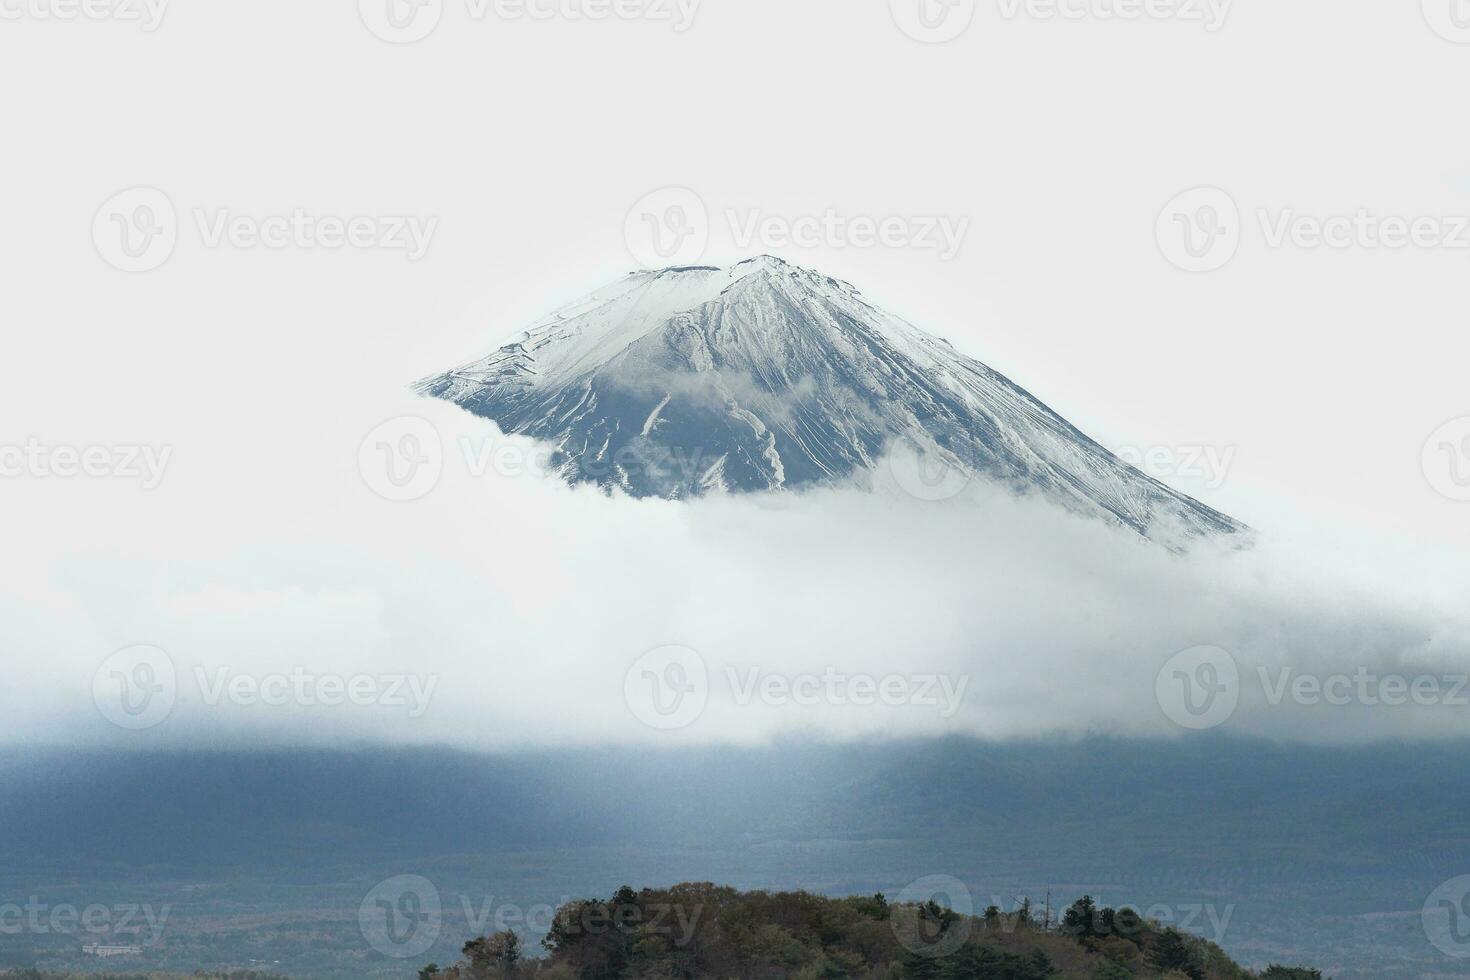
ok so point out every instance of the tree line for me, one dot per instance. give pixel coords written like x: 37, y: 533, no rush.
x: 701, y: 931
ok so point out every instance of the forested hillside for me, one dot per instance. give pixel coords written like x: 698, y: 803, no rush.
x: 707, y: 932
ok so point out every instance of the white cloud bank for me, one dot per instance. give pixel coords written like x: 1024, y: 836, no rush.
x: 500, y: 611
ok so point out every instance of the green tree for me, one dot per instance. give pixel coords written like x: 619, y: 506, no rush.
x: 1081, y: 920
x: 1124, y: 922
x: 1171, y: 952
x: 1108, y: 970
x: 874, y: 908
x: 975, y: 962
x: 494, y: 955
x: 939, y: 917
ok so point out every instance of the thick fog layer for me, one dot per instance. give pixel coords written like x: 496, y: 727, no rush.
x: 500, y: 608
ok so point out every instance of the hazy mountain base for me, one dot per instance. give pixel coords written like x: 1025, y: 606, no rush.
x: 1278, y: 853
x: 50, y: 975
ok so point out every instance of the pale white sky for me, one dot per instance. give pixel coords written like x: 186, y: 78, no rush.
x: 1324, y: 370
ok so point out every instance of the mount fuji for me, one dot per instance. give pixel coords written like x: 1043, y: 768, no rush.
x: 765, y: 376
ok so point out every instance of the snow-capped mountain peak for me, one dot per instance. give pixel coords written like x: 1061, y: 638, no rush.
x: 768, y: 376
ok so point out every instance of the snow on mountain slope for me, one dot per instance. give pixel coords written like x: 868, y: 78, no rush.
x: 767, y: 376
